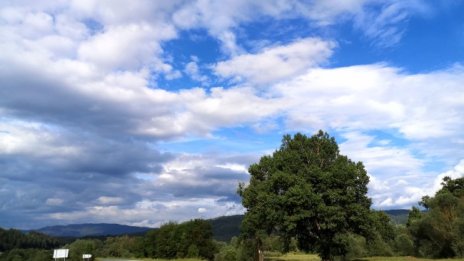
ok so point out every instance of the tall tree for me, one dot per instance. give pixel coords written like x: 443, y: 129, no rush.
x: 307, y: 190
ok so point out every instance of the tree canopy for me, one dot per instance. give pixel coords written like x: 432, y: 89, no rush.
x: 439, y: 231
x: 308, y: 191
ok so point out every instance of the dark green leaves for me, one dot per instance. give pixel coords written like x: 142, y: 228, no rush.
x: 308, y: 191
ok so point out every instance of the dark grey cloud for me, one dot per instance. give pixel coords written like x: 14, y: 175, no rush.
x: 35, y: 185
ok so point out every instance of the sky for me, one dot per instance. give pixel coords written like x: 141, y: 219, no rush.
x: 144, y: 112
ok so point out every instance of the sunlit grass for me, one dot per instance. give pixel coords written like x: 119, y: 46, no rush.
x: 295, y: 256
x: 312, y: 257
x: 404, y: 258
x: 147, y: 259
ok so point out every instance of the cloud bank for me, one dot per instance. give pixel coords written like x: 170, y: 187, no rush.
x: 103, y: 119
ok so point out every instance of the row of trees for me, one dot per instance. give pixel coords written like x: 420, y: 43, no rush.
x: 188, y: 239
x: 16, y: 245
x: 14, y: 239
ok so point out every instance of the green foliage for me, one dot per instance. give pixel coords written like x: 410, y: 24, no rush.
x: 227, y: 253
x: 27, y: 255
x: 224, y: 228
x: 13, y: 239
x: 122, y: 246
x: 83, y: 246
x: 356, y: 247
x: 32, y: 246
x: 308, y: 191
x: 189, y: 239
x: 439, y: 231
x: 403, y: 245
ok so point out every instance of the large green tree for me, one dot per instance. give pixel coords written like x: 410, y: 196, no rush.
x: 308, y: 191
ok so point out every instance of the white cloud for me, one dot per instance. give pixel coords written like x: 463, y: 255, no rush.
x: 174, y: 210
x: 277, y: 63
x: 125, y: 47
x: 374, y: 97
x: 19, y: 138
x: 54, y: 201
x: 104, y: 200
x: 193, y: 70
x: 456, y: 172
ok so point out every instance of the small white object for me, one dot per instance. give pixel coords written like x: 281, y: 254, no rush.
x: 60, y: 253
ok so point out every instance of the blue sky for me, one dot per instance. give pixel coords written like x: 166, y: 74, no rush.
x: 144, y: 112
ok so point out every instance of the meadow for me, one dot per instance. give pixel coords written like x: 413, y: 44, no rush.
x: 147, y: 259
x: 312, y: 257
x: 297, y: 257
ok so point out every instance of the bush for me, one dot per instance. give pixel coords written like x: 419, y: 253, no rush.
x: 356, y: 247
x: 27, y: 255
x: 227, y: 253
x: 378, y: 247
x: 403, y: 245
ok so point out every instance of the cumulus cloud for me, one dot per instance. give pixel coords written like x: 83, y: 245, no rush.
x: 456, y: 172
x: 276, y: 63
x: 125, y: 47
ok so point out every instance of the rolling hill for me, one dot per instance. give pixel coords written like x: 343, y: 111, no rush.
x: 224, y: 228
x: 86, y: 230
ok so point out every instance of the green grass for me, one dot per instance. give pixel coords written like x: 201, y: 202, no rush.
x: 146, y: 259
x: 312, y: 257
x: 295, y: 257
x: 404, y: 258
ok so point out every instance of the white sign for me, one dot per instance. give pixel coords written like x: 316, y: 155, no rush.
x: 86, y: 256
x: 60, y: 253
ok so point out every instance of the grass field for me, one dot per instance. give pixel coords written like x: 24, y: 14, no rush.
x: 308, y: 257
x: 294, y: 257
x: 145, y: 259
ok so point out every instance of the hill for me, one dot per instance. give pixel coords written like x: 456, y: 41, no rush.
x: 224, y: 228
x: 85, y: 230
x: 399, y: 216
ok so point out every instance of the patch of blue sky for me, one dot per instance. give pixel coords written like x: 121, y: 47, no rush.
x: 195, y: 42
x: 432, y: 42
x: 235, y: 140
x: 191, y: 46
x: 387, y: 137
x: 422, y: 48
x: 93, y: 25
x: 173, y: 84
x: 434, y: 165
x: 353, y: 48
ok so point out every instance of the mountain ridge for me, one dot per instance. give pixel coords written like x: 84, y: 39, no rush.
x: 224, y: 227
x: 91, y: 229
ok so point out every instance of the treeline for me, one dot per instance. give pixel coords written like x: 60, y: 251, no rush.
x: 18, y: 246
x: 12, y: 238
x: 192, y: 239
